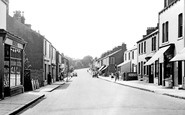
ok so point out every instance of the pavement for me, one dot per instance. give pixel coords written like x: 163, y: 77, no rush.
x: 13, y: 105
x: 149, y: 87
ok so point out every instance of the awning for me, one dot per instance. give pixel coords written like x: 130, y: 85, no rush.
x: 126, y: 66
x: 157, y: 55
x: 104, y: 68
x: 180, y: 56
x: 121, y: 64
x: 149, y: 56
x: 101, y: 68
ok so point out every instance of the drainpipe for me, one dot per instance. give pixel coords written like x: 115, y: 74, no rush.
x: 184, y: 23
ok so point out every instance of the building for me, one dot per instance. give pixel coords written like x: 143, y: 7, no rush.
x: 4, y: 13
x: 59, y: 65
x: 11, y: 57
x: 129, y: 65
x: 146, y: 48
x: 53, y: 63
x: 109, y: 63
x: 171, y: 34
x: 150, y: 70
x: 39, y: 51
x: 11, y: 64
x: 169, y: 57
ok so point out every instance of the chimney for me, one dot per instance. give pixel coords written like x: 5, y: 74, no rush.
x: 168, y: 2
x: 150, y: 30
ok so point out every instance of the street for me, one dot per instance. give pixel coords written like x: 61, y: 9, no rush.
x: 84, y: 95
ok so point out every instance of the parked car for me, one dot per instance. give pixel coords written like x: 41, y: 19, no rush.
x: 75, y: 74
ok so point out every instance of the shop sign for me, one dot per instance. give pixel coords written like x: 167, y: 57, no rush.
x: 132, y: 74
x: 15, y: 43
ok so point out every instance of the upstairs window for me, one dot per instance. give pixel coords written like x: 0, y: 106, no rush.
x: 132, y: 54
x: 144, y: 46
x: 180, y: 25
x: 165, y: 27
x: 139, y: 48
x: 154, y: 43
x: 112, y: 60
x: 125, y: 56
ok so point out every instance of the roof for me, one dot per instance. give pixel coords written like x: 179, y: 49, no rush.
x: 112, y: 53
x: 147, y: 36
x: 171, y: 4
x: 2, y: 31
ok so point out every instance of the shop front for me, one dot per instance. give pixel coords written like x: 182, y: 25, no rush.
x: 160, y: 67
x: 11, y: 64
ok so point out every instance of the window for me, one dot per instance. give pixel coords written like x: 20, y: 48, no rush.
x: 112, y: 61
x: 45, y: 52
x: 15, y: 66
x: 165, y: 27
x: 125, y: 56
x: 139, y: 48
x: 180, y: 25
x: 144, y: 68
x: 165, y: 3
x: 132, y: 54
x: 144, y: 46
x: 139, y: 66
x: 154, y: 43
x: 129, y: 56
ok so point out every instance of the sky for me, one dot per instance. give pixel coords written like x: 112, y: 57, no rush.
x: 79, y: 28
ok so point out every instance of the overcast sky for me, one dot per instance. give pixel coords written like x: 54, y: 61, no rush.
x: 89, y: 27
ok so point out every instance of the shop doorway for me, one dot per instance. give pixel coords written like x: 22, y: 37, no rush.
x: 160, y: 74
x: 151, y: 75
x: 179, y: 72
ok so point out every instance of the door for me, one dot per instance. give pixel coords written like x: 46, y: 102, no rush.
x: 179, y: 72
x: 151, y: 75
x: 160, y: 74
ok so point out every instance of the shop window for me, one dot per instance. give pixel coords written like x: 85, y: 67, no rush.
x: 157, y: 68
x: 6, y: 65
x: 15, y: 66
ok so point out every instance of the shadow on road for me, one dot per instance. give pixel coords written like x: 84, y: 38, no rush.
x: 30, y: 106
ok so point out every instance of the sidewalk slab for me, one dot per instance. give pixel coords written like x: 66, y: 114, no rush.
x: 14, y: 104
x: 149, y: 87
x: 50, y: 88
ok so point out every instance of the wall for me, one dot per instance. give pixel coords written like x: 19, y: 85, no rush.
x: 3, y: 12
x: 34, y: 47
x: 171, y: 15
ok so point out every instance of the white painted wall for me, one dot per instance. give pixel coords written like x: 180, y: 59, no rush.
x: 3, y: 12
x: 171, y: 15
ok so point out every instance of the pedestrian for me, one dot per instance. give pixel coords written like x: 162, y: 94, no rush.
x: 112, y: 75
x: 49, y: 78
x: 62, y: 76
x: 116, y: 75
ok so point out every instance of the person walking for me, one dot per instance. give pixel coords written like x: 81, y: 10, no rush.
x: 116, y: 75
x: 49, y: 78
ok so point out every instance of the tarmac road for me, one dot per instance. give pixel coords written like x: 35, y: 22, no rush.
x: 85, y: 95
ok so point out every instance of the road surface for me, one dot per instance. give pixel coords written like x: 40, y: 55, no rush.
x: 85, y: 95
